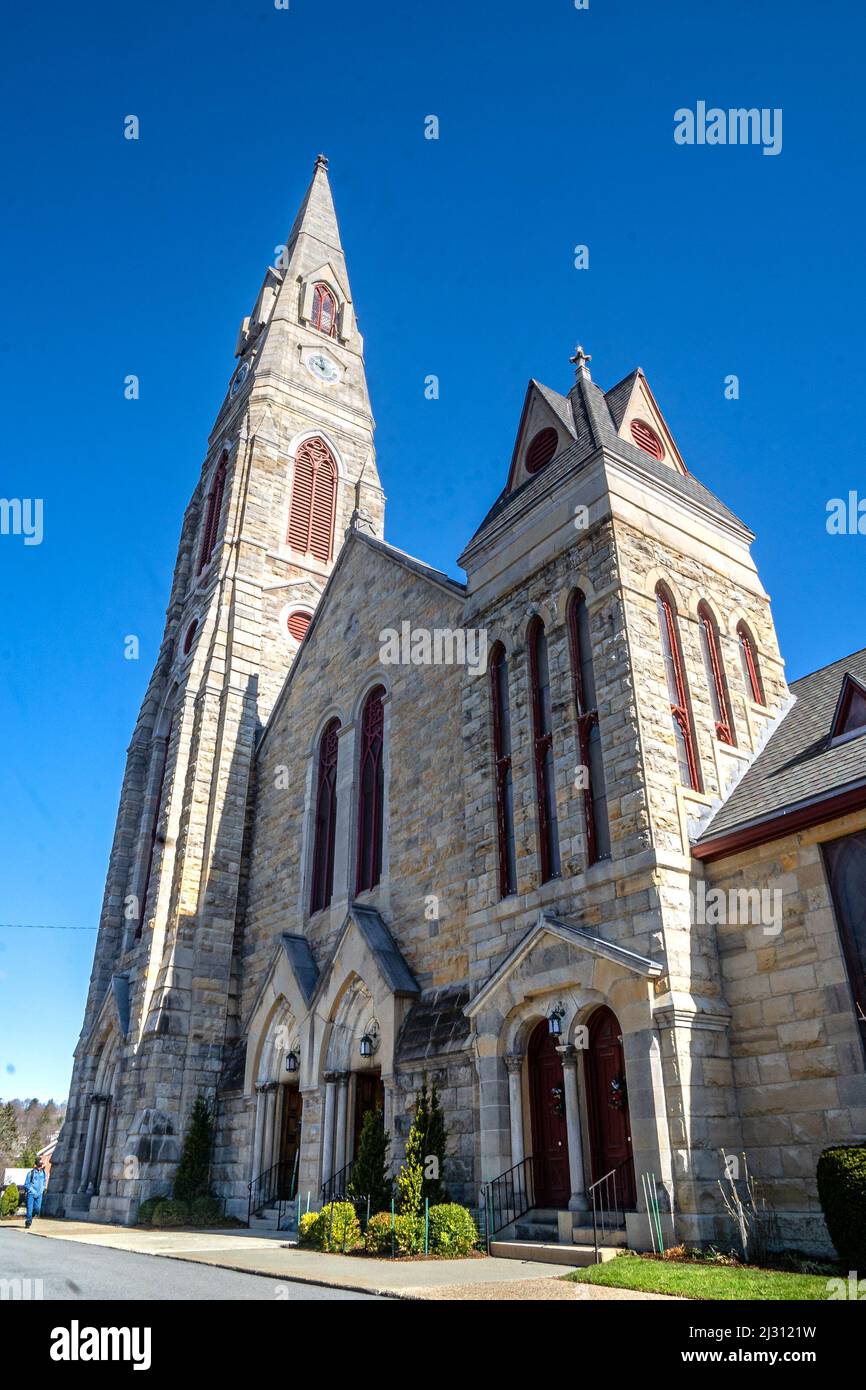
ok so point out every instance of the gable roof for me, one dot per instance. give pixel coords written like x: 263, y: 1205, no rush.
x: 800, y: 776
x: 354, y: 537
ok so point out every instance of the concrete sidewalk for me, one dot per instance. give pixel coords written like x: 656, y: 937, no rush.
x: 271, y: 1255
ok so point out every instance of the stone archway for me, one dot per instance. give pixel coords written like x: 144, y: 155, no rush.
x: 99, y: 1116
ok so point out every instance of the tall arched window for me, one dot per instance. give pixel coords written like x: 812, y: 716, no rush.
x: 324, y: 310
x: 542, y: 742
x: 504, y: 785
x: 371, y: 791
x: 677, y: 691
x: 716, y: 683
x: 588, y: 732
x: 314, y: 497
x: 160, y: 753
x: 212, y: 515
x: 749, y: 663
x: 326, y: 819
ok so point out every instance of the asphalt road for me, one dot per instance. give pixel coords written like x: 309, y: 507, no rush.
x: 70, y: 1270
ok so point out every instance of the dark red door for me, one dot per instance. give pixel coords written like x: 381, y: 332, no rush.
x: 607, y: 1098
x: 290, y: 1141
x: 547, y: 1106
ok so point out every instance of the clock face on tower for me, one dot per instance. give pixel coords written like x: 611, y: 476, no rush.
x: 321, y: 366
x: 239, y: 378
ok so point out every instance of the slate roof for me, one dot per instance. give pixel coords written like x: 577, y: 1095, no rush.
x: 798, y: 764
x: 385, y: 949
x: 435, y: 1025
x: 597, y: 417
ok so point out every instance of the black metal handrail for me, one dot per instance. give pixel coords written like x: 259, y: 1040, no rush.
x: 509, y: 1196
x: 334, y: 1190
x: 274, y: 1187
x: 606, y: 1212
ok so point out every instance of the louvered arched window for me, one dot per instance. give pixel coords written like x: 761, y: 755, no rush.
x: 588, y: 732
x: 212, y: 515
x: 502, y: 763
x: 749, y: 663
x: 314, y: 498
x: 324, y: 310
x: 715, y: 671
x: 542, y: 742
x: 678, y: 695
x: 371, y: 791
x: 326, y: 819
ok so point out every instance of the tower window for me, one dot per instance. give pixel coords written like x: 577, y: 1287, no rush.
x: 326, y: 819
x: 504, y: 783
x: 542, y: 740
x: 314, y: 498
x: 588, y: 732
x: 188, y: 639
x: 212, y: 516
x: 716, y: 683
x: 646, y: 438
x: 371, y: 791
x: 677, y: 691
x: 749, y: 663
x: 324, y: 310
x: 541, y: 449
x: 297, y: 623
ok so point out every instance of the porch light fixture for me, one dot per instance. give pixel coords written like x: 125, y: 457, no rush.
x: 369, y: 1039
x: 366, y: 1046
x: 554, y: 1020
x: 292, y: 1061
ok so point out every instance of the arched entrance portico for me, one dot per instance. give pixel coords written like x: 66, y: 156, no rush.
x: 548, y: 1118
x: 607, y: 1104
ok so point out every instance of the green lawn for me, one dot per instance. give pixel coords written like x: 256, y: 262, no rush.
x: 697, y: 1280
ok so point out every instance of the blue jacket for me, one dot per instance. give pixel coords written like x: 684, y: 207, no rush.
x: 34, y: 1183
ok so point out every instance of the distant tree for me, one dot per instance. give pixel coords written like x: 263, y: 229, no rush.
x: 193, y: 1172
x: 28, y: 1155
x: 10, y: 1140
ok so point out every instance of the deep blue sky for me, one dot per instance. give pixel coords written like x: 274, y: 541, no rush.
x: 141, y: 257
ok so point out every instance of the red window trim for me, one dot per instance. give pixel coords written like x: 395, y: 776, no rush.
x: 747, y: 647
x: 321, y: 294
x: 680, y: 710
x: 502, y: 769
x: 724, y: 727
x: 586, y: 720
x: 214, y: 510
x: 369, y: 849
x: 325, y: 825
x: 542, y: 744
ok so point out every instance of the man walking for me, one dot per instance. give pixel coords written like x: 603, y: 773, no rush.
x: 34, y: 1187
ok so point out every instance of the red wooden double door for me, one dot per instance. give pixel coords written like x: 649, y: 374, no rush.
x: 606, y: 1106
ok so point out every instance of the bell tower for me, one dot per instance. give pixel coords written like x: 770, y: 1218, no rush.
x: 290, y: 465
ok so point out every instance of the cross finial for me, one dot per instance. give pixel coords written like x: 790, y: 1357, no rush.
x: 322, y: 161
x: 581, y: 360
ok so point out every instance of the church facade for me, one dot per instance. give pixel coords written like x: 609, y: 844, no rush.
x: 560, y: 837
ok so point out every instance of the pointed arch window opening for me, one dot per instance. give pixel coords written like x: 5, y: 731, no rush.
x: 588, y: 731
x: 314, y: 500
x: 154, y: 827
x: 677, y: 692
x: 324, y: 316
x: 542, y: 740
x: 371, y: 791
x: 325, y: 820
x: 212, y: 518
x: 749, y: 663
x: 716, y: 683
x: 503, y: 772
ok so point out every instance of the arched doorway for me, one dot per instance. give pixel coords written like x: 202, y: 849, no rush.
x: 547, y: 1110
x: 607, y: 1105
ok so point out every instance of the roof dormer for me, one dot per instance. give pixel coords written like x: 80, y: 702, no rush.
x: 637, y: 418
x: 849, y: 720
x: 546, y: 428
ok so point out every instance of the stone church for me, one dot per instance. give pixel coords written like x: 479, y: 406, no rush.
x: 560, y: 837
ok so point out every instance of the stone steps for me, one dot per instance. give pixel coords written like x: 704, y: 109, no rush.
x: 547, y: 1253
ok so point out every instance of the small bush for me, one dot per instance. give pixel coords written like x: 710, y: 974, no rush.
x: 842, y: 1190
x: 9, y: 1200
x: 334, y: 1228
x: 168, y: 1213
x: 452, y: 1230
x: 407, y: 1234
x: 307, y: 1228
x: 147, y: 1208
x: 206, y: 1211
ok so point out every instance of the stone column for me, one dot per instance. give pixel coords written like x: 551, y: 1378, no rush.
x: 258, y: 1133
x: 514, y: 1067
x: 268, y: 1134
x: 101, y: 1105
x: 389, y: 1088
x: 88, y: 1145
x: 577, y: 1201
x: 330, y: 1079
x: 340, y: 1159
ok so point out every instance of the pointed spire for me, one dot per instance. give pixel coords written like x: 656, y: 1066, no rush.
x: 317, y: 216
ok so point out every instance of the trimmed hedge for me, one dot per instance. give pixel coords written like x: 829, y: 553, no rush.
x: 408, y: 1236
x: 334, y: 1228
x: 452, y: 1230
x: 842, y: 1190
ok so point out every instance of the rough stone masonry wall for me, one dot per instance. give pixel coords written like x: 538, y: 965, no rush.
x: 797, y: 1055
